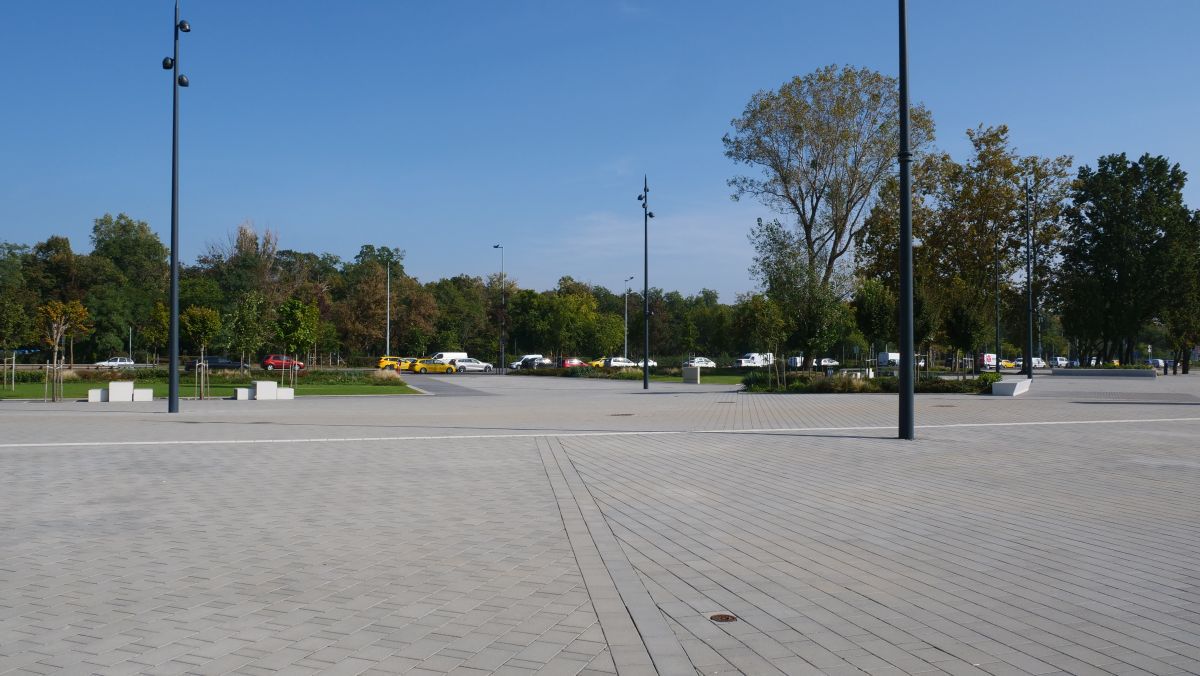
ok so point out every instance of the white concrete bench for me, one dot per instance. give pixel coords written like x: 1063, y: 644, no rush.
x: 120, y: 390
x: 857, y: 374
x: 263, y: 390
x: 1011, y: 388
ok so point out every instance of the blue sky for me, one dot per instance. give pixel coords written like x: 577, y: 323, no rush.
x: 444, y: 128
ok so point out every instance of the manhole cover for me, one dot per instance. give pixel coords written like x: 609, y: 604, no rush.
x: 726, y: 402
x: 945, y: 406
x: 619, y: 414
x: 722, y: 617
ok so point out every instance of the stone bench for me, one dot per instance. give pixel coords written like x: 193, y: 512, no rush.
x: 120, y: 390
x: 856, y: 374
x: 263, y: 390
x: 1106, y: 373
x: 691, y: 375
x: 1011, y: 388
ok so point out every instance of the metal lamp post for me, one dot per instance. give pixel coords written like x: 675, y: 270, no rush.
x: 387, y: 330
x: 171, y: 63
x: 644, y: 198
x: 627, y: 315
x: 1028, y: 282
x: 503, y: 306
x: 907, y: 403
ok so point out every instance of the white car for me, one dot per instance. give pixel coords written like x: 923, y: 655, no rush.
x: 826, y: 361
x: 116, y: 363
x: 703, y: 362
x: 517, y: 364
x: 620, y: 363
x: 470, y: 364
x: 653, y: 364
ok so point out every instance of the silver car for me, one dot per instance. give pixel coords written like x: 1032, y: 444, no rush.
x: 470, y: 364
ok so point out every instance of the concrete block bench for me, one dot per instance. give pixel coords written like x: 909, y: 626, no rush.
x: 691, y: 375
x: 263, y: 390
x: 1010, y: 388
x: 120, y: 390
x: 1106, y: 373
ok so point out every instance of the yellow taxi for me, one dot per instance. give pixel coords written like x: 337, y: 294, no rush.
x: 433, y: 366
x: 597, y: 363
x: 395, y: 363
x: 1007, y: 364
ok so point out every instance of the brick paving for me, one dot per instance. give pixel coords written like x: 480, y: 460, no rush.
x: 567, y: 527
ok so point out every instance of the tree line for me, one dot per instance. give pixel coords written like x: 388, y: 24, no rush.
x: 1113, y: 249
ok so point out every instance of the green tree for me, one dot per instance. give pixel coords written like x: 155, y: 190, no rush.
x: 1113, y: 272
x: 58, y: 319
x: 875, y: 313
x: 200, y: 326
x: 156, y: 329
x: 247, y: 324
x: 296, y: 325
x: 824, y: 143
x: 1179, y: 306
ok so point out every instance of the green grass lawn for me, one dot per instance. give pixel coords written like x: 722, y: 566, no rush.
x: 78, y: 389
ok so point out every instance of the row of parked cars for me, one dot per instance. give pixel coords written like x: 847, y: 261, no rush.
x: 442, y: 362
x: 213, y: 363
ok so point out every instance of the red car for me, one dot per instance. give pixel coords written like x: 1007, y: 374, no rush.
x: 279, y: 361
x: 571, y: 362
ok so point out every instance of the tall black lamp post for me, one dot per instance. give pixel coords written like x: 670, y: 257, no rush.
x: 1029, y: 282
x: 171, y: 63
x: 503, y: 306
x: 907, y: 403
x: 644, y: 198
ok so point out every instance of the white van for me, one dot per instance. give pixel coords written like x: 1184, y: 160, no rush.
x: 446, y: 357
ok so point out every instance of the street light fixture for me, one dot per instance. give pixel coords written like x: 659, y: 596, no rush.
x: 644, y: 198
x: 627, y: 315
x: 503, y: 306
x: 171, y: 63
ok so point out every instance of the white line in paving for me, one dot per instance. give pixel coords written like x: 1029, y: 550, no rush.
x: 558, y: 433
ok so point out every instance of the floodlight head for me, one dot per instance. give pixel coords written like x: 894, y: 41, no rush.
x: 650, y: 214
x: 641, y: 197
x: 168, y: 63
x: 497, y: 246
x: 185, y: 27
x: 183, y: 81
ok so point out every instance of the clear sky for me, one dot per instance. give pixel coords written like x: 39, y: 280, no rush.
x: 446, y: 127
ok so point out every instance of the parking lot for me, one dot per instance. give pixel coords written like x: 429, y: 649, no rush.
x: 560, y: 525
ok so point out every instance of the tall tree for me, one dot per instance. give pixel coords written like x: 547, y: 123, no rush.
x: 824, y: 143
x: 1115, y: 246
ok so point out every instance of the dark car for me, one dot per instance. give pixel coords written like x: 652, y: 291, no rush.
x: 279, y: 361
x: 536, y: 363
x: 216, y: 364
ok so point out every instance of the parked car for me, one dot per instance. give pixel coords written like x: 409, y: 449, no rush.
x: 620, y: 363
x: 470, y: 364
x: 517, y: 364
x: 217, y: 364
x: 536, y: 362
x: 433, y: 366
x: 827, y: 361
x: 116, y: 363
x: 653, y: 364
x: 1038, y: 363
x: 598, y: 363
x: 280, y: 361
x: 1156, y: 363
x: 1058, y: 362
x: 702, y: 362
x: 1007, y: 364
x: 395, y: 363
x: 571, y: 362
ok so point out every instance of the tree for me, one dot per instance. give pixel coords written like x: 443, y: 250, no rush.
x: 762, y: 324
x: 824, y: 143
x: 156, y: 330
x: 200, y: 326
x: 58, y: 319
x: 811, y: 303
x: 296, y: 326
x: 246, y: 324
x: 1113, y: 272
x: 1179, y: 307
x: 875, y: 312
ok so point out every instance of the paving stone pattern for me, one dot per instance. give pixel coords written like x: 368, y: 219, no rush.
x: 565, y: 527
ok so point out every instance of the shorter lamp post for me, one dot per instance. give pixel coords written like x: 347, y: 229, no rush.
x: 627, y: 315
x: 503, y: 306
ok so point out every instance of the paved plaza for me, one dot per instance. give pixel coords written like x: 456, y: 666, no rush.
x: 520, y: 525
